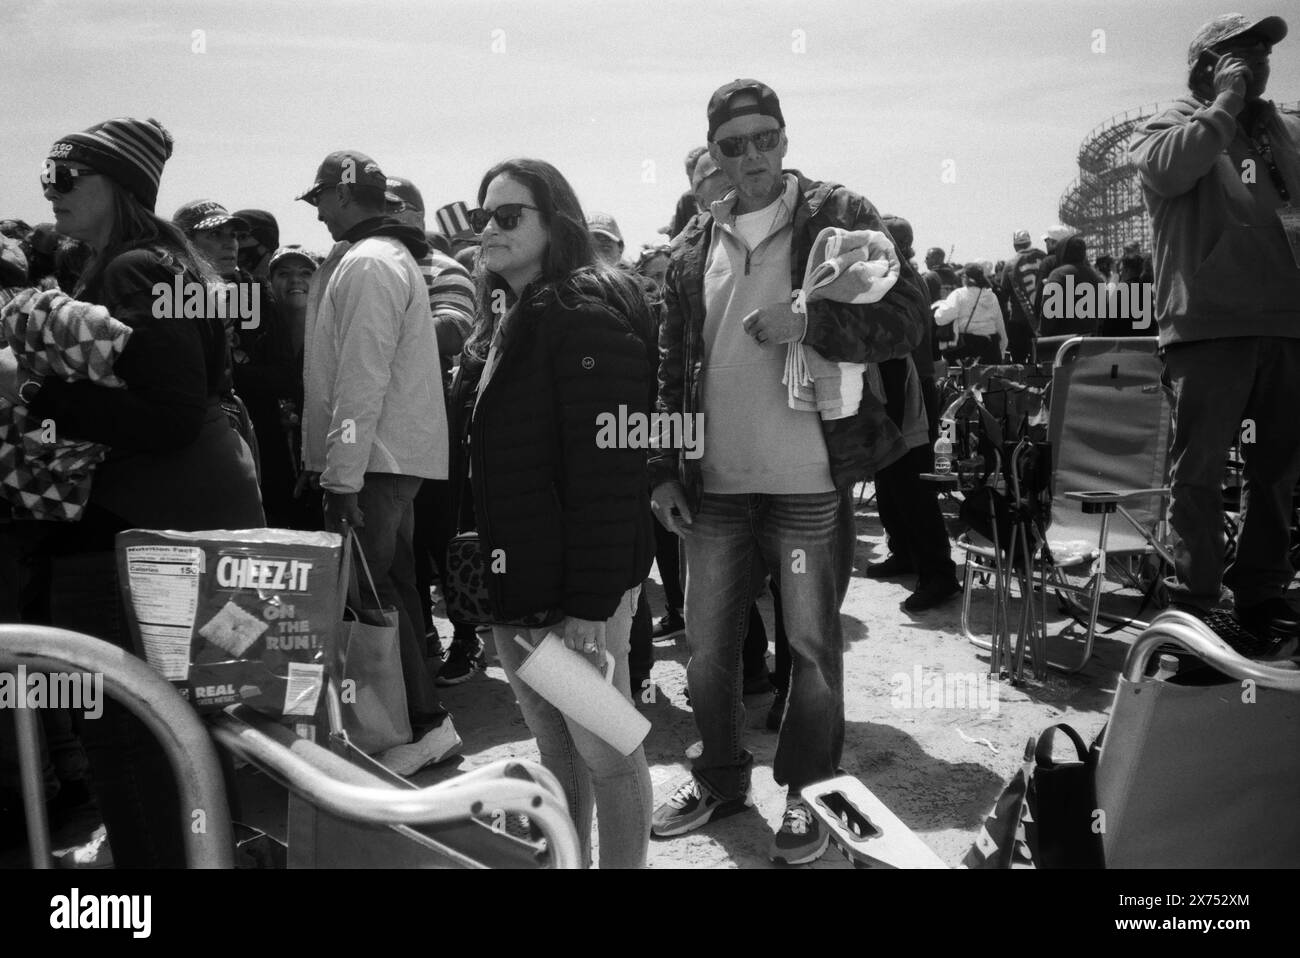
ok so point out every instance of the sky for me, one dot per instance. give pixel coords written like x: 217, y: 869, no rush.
x: 964, y: 116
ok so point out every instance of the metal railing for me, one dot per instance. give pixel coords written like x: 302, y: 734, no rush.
x: 148, y: 696
x: 327, y: 781
x: 334, y: 785
x: 1198, y: 638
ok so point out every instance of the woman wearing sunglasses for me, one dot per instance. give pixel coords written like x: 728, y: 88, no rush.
x: 553, y: 348
x: 174, y: 461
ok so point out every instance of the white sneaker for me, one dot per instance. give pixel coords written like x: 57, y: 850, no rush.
x: 434, y: 746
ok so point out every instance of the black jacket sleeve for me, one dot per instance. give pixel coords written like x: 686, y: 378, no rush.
x: 163, y: 365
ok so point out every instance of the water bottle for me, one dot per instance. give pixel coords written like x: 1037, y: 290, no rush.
x: 1167, y: 668
x: 943, y: 449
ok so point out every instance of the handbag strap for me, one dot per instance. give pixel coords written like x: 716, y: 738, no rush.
x: 355, y: 543
x: 971, y: 315
x: 1043, y: 751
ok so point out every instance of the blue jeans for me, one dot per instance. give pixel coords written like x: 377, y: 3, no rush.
x: 801, y: 540
x: 592, y: 772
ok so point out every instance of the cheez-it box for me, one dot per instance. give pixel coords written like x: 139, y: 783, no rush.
x: 246, y: 616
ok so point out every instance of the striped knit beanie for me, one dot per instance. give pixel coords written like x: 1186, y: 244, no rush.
x: 132, y: 152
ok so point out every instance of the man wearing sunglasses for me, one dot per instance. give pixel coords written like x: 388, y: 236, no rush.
x: 374, y: 422
x: 772, y: 489
x: 1220, y: 176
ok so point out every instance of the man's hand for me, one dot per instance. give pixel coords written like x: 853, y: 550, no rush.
x: 307, y: 481
x: 1231, y: 74
x: 668, y: 503
x: 584, y: 635
x: 341, y: 510
x: 774, y: 324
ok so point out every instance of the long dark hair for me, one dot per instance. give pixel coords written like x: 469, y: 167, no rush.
x: 569, y: 263
x: 134, y: 226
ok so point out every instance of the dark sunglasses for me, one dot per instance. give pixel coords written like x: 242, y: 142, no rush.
x: 62, y: 178
x: 507, y: 216
x: 734, y: 146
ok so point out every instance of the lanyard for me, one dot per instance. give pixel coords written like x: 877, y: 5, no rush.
x: 1264, y: 147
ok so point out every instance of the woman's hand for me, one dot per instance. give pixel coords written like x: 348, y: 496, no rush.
x: 584, y: 635
x: 668, y: 503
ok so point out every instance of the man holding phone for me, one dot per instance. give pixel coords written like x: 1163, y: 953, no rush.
x: 1220, y: 174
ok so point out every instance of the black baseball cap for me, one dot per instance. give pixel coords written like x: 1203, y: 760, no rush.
x: 262, y: 228
x: 721, y: 110
x: 346, y: 166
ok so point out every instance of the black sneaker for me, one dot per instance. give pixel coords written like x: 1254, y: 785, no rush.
x: 1272, y: 617
x: 891, y: 567
x: 690, y: 807
x: 461, y: 664
x: 670, y: 625
x: 801, y: 838
x: 931, y: 595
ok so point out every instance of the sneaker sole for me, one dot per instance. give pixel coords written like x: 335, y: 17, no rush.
x: 804, y: 858
x: 725, y: 810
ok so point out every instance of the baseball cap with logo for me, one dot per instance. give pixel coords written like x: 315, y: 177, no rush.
x: 1020, y: 239
x: 402, y: 191
x: 346, y: 166
x: 604, y: 224
x: 721, y: 110
x: 198, y: 215
x: 290, y: 252
x: 1231, y: 25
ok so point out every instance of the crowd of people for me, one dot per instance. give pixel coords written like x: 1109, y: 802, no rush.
x: 414, y: 383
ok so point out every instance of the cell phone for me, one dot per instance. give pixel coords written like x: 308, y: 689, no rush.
x: 1210, y: 62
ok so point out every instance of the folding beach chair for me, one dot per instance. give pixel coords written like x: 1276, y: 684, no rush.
x: 1109, y: 429
x: 1201, y: 770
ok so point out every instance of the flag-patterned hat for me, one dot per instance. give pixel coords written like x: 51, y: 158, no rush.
x: 130, y: 151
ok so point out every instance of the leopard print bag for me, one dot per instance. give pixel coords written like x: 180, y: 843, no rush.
x: 465, y: 587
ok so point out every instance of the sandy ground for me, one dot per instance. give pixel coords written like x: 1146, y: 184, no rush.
x: 938, y: 769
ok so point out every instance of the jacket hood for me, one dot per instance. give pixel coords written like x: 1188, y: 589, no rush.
x: 409, y: 236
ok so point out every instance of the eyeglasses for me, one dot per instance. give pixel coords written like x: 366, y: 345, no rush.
x: 763, y: 140
x: 507, y: 216
x: 62, y: 178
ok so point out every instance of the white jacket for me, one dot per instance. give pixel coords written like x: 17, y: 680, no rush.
x: 373, y: 384
x: 973, y: 311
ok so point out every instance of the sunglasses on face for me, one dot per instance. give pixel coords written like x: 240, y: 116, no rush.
x: 62, y: 178
x: 763, y: 140
x: 507, y: 216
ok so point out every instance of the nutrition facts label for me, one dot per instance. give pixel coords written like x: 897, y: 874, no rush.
x: 164, y: 582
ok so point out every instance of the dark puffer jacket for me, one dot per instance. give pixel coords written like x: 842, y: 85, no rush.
x: 573, y: 520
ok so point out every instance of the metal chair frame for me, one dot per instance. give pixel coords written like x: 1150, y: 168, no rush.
x: 301, y: 766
